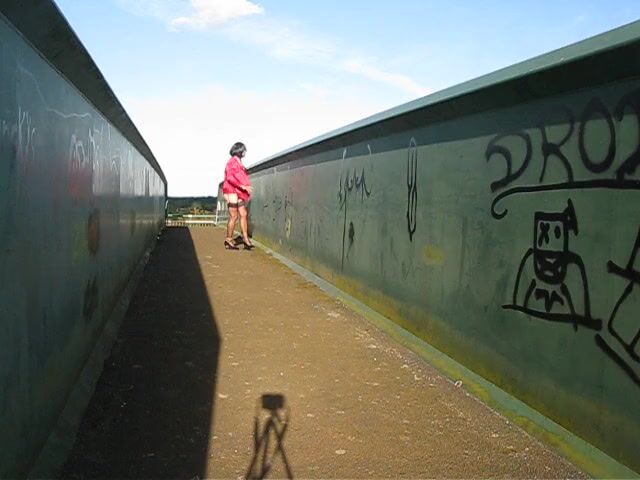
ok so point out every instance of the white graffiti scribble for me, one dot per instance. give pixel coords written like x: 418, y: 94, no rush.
x: 25, y: 141
x: 27, y: 73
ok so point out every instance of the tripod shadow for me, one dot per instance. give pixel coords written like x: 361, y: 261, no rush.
x: 268, y: 428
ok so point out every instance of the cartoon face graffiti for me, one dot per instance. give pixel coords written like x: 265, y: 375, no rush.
x: 551, y: 244
x: 549, y: 251
x: 552, y: 280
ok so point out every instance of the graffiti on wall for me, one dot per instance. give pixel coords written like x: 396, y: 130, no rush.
x: 412, y: 187
x: 81, y: 169
x: 544, y: 287
x: 7, y: 170
x: 285, y: 204
x: 623, y: 325
x: 26, y: 137
x: 601, y: 172
x: 352, y: 184
x: 552, y: 282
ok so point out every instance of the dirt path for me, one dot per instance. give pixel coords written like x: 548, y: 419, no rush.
x: 209, y: 332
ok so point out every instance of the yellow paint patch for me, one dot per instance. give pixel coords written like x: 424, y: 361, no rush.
x: 432, y: 255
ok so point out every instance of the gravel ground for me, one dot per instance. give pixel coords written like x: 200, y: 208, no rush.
x: 210, y: 331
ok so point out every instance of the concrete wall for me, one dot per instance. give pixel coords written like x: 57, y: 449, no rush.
x: 80, y: 202
x: 499, y: 221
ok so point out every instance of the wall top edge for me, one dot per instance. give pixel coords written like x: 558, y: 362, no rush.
x: 555, y: 61
x: 44, y: 26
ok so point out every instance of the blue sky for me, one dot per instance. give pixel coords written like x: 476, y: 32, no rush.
x: 197, y: 75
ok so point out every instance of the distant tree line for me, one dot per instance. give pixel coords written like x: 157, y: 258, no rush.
x: 191, y: 205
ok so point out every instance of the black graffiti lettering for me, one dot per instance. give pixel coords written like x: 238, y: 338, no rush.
x: 593, y: 111
x: 551, y: 149
x: 623, y: 351
x: 604, y: 183
x: 551, y: 281
x: 494, y: 149
x: 352, y: 184
x: 412, y: 188
x: 595, y: 106
x: 631, y: 101
x: 613, y: 355
x: 360, y: 184
x: 408, y: 268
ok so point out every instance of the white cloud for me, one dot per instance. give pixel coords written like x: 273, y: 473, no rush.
x: 285, y: 41
x: 164, y: 10
x: 190, y: 134
x: 361, y: 67
x: 207, y: 13
x: 289, y: 44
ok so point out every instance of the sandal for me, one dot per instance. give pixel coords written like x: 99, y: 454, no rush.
x: 248, y: 245
x: 229, y: 245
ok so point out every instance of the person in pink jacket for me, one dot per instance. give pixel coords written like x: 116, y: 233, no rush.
x: 236, y: 189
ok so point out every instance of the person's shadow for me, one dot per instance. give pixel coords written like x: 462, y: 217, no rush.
x: 266, y: 428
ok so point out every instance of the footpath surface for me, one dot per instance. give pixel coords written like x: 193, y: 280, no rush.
x: 210, y: 332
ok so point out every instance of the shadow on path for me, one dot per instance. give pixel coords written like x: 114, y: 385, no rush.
x: 268, y: 436
x: 151, y: 414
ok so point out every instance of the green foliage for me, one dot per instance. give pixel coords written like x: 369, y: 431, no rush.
x: 191, y: 205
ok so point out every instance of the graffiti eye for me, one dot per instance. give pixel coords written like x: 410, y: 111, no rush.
x: 544, y: 233
x: 556, y: 231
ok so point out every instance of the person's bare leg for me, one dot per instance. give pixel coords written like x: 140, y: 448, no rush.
x: 244, y: 224
x: 231, y: 223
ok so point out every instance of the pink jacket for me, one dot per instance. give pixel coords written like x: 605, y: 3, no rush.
x: 235, y: 176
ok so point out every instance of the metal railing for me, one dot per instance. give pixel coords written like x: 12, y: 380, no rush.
x: 196, y: 220
x: 203, y: 220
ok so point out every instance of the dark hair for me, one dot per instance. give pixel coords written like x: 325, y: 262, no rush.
x: 238, y: 150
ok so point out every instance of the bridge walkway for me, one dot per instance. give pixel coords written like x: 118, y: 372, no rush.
x: 209, y: 332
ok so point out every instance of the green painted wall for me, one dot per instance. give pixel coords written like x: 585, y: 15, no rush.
x: 79, y: 205
x: 499, y: 221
